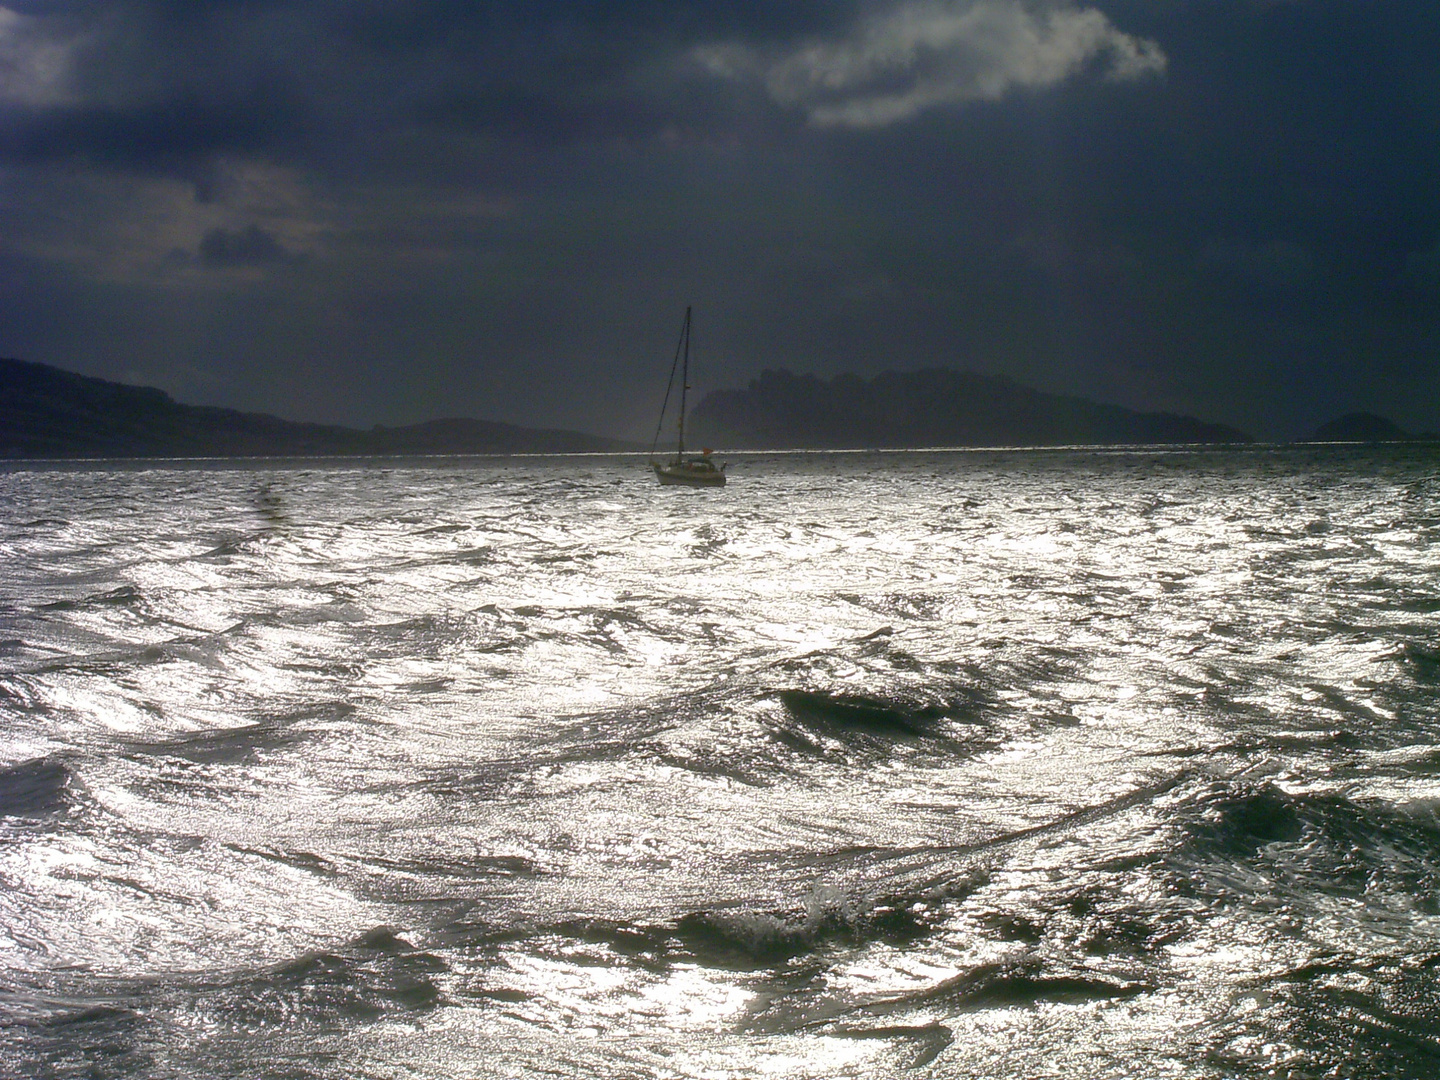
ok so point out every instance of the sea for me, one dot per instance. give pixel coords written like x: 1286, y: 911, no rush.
x: 966, y: 764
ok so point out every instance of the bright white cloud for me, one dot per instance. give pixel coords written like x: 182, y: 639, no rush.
x: 925, y: 54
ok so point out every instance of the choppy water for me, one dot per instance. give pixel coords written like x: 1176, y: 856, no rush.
x: 967, y: 765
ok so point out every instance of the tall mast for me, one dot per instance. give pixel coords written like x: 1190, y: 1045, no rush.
x: 684, y: 385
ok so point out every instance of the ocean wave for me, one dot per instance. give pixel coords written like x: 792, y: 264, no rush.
x: 1013, y: 764
x: 39, y: 788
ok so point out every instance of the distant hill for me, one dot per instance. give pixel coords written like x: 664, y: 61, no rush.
x: 926, y: 408
x: 46, y: 412
x: 1361, y: 427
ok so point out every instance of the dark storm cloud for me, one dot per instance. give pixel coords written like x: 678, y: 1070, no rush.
x: 135, y: 83
x: 1218, y: 206
x: 173, y: 135
x: 151, y: 83
x: 252, y: 246
x: 162, y: 85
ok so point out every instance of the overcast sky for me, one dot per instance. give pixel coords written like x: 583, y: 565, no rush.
x: 367, y: 211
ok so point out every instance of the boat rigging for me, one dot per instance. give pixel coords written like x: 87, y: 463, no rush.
x: 693, y: 471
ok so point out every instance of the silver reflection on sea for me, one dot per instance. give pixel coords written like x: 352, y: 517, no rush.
x: 976, y: 764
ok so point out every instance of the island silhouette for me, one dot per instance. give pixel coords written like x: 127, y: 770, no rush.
x: 1363, y: 427
x: 934, y: 407
x: 46, y: 412
x: 49, y: 413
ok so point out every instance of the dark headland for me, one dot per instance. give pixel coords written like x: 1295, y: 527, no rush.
x: 1362, y: 427
x: 49, y: 413
x: 936, y: 407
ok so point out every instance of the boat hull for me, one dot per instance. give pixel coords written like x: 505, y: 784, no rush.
x: 686, y: 474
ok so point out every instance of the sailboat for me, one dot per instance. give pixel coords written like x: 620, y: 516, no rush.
x: 692, y: 471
